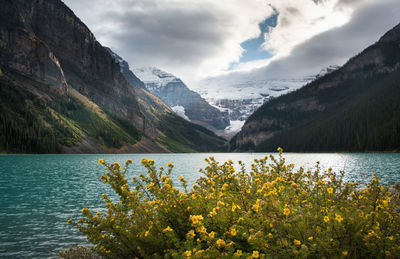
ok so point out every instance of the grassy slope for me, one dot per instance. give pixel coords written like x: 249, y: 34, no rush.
x: 37, y: 119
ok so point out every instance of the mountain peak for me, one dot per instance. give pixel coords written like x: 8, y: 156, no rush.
x: 156, y: 76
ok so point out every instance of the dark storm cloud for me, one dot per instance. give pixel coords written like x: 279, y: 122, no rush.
x: 166, y: 35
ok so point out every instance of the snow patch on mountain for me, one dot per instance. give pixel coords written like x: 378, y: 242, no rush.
x: 155, y: 78
x: 235, y: 126
x: 327, y: 70
x: 180, y: 111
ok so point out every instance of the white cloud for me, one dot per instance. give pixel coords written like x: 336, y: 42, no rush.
x: 197, y: 38
x: 333, y: 47
x: 300, y: 20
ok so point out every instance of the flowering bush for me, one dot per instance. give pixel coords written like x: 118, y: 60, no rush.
x: 271, y: 211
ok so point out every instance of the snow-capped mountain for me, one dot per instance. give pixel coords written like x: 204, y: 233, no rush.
x: 155, y: 78
x: 183, y: 101
x: 242, y: 96
x: 240, y: 100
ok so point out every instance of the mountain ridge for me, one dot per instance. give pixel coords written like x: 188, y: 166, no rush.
x: 334, y: 112
x: 174, y: 92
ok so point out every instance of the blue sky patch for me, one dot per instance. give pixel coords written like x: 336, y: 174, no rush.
x: 252, y: 47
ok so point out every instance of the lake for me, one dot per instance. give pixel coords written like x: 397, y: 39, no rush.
x: 39, y: 193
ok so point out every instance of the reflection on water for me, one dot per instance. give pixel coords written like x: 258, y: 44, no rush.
x: 38, y: 193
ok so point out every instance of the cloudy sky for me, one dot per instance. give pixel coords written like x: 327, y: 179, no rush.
x: 194, y: 39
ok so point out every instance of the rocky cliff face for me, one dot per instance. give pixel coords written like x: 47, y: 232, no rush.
x: 179, y: 97
x: 43, y: 37
x: 23, y: 51
x: 351, y: 108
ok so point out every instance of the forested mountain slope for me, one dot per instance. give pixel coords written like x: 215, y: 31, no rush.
x: 355, y: 108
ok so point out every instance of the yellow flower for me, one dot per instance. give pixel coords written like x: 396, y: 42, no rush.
x: 280, y: 150
x: 117, y: 166
x: 170, y: 164
x: 234, y: 207
x: 225, y: 186
x: 286, y: 211
x: 201, y: 229
x: 329, y: 190
x: 233, y: 232
x: 297, y: 242
x: 256, y: 206
x: 339, y: 218
x: 255, y: 254
x: 85, y: 210
x: 149, y: 185
x: 69, y: 221
x: 345, y: 253
x: 220, y: 243
x: 167, y: 229
x: 213, y: 212
x: 181, y: 178
x: 101, y: 161
x: 196, y: 219
x: 129, y: 161
x: 238, y: 253
x: 191, y: 234
x: 310, y: 238
x: 326, y: 218
x: 145, y: 161
x: 211, y: 234
x: 188, y: 253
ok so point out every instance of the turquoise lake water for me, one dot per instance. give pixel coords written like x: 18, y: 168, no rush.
x: 39, y: 193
